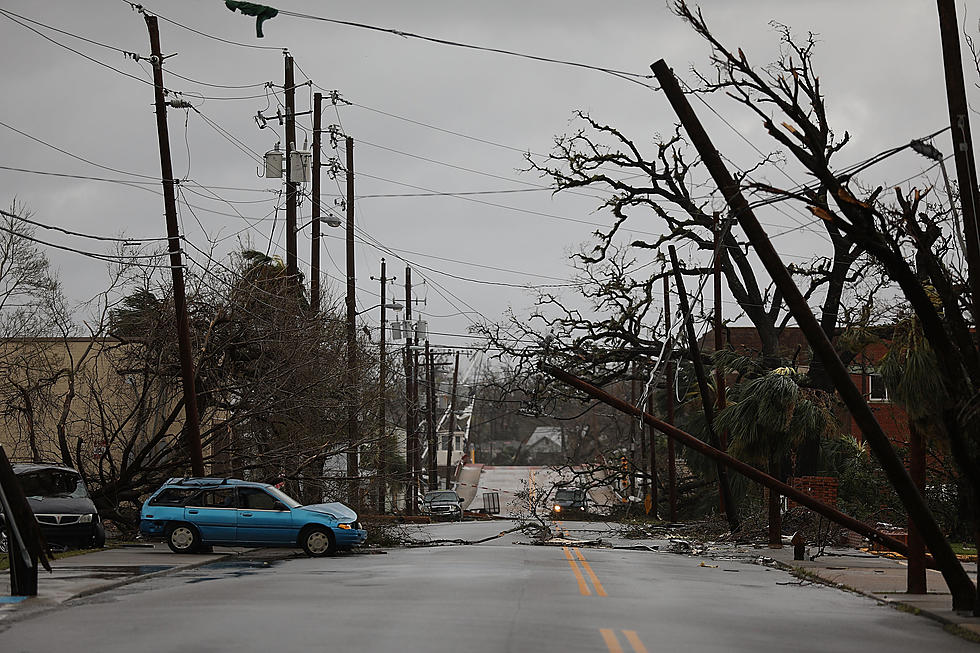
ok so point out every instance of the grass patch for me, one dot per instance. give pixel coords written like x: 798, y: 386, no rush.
x: 960, y: 631
x: 964, y: 548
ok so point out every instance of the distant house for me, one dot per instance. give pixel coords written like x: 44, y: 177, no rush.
x: 545, y: 440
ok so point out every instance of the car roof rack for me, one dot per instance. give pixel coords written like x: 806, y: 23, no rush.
x: 202, y: 481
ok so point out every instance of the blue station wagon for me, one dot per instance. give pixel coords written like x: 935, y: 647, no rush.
x: 192, y: 513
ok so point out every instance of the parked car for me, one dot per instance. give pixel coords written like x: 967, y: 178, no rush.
x: 569, y: 500
x: 62, y: 506
x: 192, y: 513
x: 442, y: 503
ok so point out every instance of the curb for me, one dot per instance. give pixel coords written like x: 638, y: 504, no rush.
x: 895, y: 604
x: 122, y: 582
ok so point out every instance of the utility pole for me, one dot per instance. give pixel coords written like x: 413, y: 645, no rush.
x: 719, y: 340
x: 720, y: 400
x: 671, y: 459
x: 960, y: 585
x: 353, y: 473
x: 651, y: 435
x: 430, y: 418
x: 966, y: 166
x: 724, y: 488
x: 452, y: 424
x: 292, y: 271
x: 315, y: 247
x: 382, y: 422
x: 410, y: 420
x: 192, y: 427
x: 631, y: 468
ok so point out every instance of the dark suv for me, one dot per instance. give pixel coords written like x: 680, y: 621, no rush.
x: 61, y: 504
x: 443, y: 503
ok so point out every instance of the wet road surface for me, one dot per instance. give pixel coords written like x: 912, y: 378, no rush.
x: 492, y: 597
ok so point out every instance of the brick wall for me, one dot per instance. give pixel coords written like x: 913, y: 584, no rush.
x: 822, y: 488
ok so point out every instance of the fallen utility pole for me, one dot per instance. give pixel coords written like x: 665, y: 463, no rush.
x: 959, y: 583
x: 734, y: 463
x: 192, y: 422
x: 724, y: 487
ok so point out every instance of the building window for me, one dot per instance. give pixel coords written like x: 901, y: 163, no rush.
x: 878, y: 391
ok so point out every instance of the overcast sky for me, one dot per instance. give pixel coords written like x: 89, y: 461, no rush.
x: 880, y: 67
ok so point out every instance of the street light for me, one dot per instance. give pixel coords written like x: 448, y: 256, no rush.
x: 390, y: 307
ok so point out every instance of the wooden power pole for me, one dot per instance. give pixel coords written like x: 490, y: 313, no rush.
x: 353, y: 471
x: 452, y: 424
x: 192, y: 427
x: 411, y: 422
x: 289, y: 87
x: 671, y: 457
x: 315, y: 202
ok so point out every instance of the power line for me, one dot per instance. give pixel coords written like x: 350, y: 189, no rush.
x: 629, y: 76
x: 70, y: 49
x: 125, y: 241
x: 141, y: 9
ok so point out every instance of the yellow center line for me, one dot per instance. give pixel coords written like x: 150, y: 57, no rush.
x: 599, y: 590
x: 611, y: 642
x: 635, y: 642
x: 582, y: 587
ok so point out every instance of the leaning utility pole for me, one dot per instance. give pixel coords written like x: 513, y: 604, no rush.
x: 720, y: 400
x: 671, y: 459
x: 966, y: 166
x: 724, y: 488
x: 289, y: 86
x: 960, y: 585
x: 315, y: 201
x: 410, y: 420
x: 192, y: 427
x: 452, y: 425
x: 353, y: 473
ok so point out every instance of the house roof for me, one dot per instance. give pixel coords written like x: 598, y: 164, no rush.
x: 548, y: 434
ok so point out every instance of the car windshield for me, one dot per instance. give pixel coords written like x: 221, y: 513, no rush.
x: 432, y: 497
x: 285, y: 498
x: 568, y: 495
x: 52, y: 483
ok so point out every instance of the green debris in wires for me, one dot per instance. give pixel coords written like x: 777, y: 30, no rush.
x: 262, y: 13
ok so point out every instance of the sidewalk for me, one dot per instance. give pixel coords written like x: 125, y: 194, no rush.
x: 89, y: 573
x: 880, y: 578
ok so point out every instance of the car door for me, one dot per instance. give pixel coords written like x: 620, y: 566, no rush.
x: 214, y: 512
x: 262, y: 519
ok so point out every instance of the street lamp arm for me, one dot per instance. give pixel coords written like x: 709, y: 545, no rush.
x: 390, y: 307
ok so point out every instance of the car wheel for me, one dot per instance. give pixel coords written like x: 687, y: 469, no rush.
x: 3, y: 540
x: 318, y: 541
x: 183, y: 538
x: 98, y: 538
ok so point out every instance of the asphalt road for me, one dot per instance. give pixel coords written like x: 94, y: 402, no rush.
x: 485, y: 598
